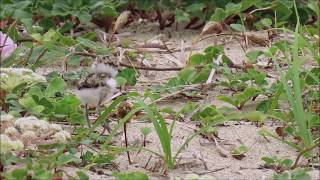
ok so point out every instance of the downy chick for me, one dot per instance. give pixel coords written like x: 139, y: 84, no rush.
x: 98, y: 85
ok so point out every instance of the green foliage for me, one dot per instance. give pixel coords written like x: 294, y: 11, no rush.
x: 130, y: 176
x: 299, y: 173
x: 282, y: 166
x: 240, y: 150
x: 47, y: 11
x: 253, y: 55
x: 145, y: 131
x: 48, y: 24
x: 127, y: 77
x: 239, y: 99
x: 238, y: 27
x: 277, y: 163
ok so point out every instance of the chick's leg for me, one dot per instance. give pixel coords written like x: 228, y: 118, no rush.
x: 106, y: 125
x: 86, y: 115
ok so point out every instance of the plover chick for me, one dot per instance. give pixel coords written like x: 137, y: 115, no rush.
x: 98, y: 85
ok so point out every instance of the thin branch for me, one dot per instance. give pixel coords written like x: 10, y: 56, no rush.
x: 41, y: 55
x: 122, y: 64
x: 261, y: 9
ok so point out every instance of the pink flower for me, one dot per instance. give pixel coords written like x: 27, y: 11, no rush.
x: 7, y: 46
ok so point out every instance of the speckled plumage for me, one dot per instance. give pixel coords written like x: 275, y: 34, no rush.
x: 97, y: 86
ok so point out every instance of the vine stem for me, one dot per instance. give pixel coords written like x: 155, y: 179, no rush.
x: 301, y: 153
x: 126, y: 140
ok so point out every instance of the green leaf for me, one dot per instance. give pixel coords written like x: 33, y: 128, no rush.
x: 202, y: 76
x: 209, y: 111
x: 21, y: 14
x: 129, y: 75
x: 248, y: 93
x: 314, y: 6
x: 82, y: 175
x: 283, y: 176
x: 77, y: 118
x: 84, y: 16
x: 227, y: 100
x: 19, y: 173
x: 145, y: 131
x: 283, y: 9
x: 41, y: 174
x: 313, y: 76
x: 186, y: 75
x: 219, y: 15
x: 88, y: 156
x: 245, y: 4
x: 65, y: 159
x: 98, y: 47
x: 232, y: 8
x: 50, y: 36
x: 56, y: 85
x: 255, y: 116
x: 238, y: 27
x: 67, y: 105
x: 287, y: 162
x: 253, y: 55
x: 27, y: 22
x: 300, y: 174
x: 268, y: 160
x: 263, y: 23
x: 45, y: 102
x: 264, y: 106
x: 242, y: 149
x: 197, y: 59
x: 103, y: 159
x: 109, y: 11
x: 130, y: 176
x: 66, y: 27
x: 35, y: 90
x: 47, y: 23
x: 195, y: 7
x: 37, y: 37
x: 31, y: 105
x: 74, y: 60
x: 13, y: 34
x: 121, y: 81
x: 181, y: 16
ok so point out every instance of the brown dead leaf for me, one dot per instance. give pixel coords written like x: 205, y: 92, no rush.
x: 280, y: 132
x: 121, y: 20
x: 238, y: 156
x: 124, y: 108
x: 248, y: 17
x: 212, y: 27
x: 262, y: 41
x: 3, y: 95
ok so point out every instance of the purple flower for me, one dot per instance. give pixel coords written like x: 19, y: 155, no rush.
x: 7, y: 46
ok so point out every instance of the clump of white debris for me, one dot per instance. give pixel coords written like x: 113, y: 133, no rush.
x: 28, y: 132
x: 11, y: 77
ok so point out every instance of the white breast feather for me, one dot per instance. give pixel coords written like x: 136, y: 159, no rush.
x: 89, y: 95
